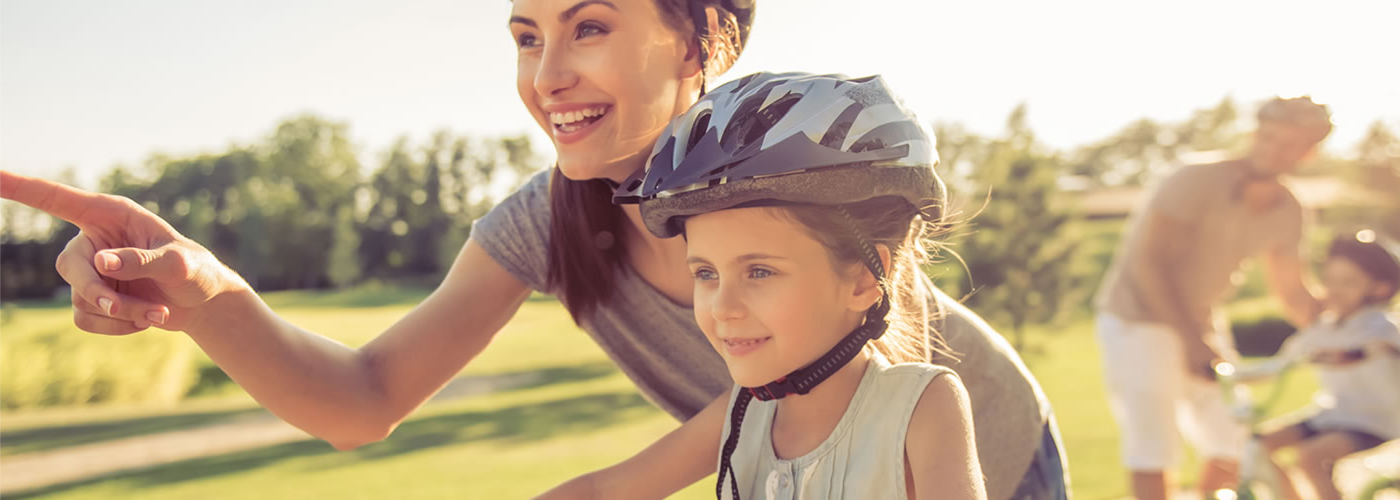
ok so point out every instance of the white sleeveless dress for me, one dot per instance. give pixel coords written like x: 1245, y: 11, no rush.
x: 862, y: 459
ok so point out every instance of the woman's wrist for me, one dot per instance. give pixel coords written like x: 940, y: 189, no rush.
x: 232, y: 302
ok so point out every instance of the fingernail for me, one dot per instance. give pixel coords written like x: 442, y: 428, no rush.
x: 156, y: 317
x: 106, y: 305
x: 111, y: 262
x: 141, y: 325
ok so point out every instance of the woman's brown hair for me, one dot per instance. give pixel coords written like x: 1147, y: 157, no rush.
x: 586, y: 229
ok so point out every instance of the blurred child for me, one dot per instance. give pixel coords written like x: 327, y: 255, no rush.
x: 1355, y: 347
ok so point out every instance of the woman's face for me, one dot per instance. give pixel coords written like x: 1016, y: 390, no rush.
x: 602, y: 78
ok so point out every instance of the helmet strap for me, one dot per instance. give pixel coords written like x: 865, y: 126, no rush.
x: 802, y: 380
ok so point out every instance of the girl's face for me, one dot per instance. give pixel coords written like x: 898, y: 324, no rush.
x: 1348, y: 286
x: 767, y: 295
x: 602, y: 78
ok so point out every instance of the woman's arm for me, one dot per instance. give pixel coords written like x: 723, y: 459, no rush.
x: 352, y: 397
x: 677, y: 460
x: 130, y: 270
x: 940, y: 447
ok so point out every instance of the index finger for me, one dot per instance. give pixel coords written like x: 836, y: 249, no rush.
x: 62, y: 201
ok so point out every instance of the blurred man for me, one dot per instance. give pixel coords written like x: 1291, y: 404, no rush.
x: 1159, y: 322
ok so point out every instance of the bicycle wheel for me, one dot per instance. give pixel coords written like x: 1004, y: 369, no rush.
x: 1254, y: 490
x: 1385, y: 488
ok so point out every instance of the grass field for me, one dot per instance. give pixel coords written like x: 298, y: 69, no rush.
x: 582, y: 415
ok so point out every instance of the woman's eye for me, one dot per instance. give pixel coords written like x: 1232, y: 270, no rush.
x: 760, y: 273
x: 590, y: 29
x: 705, y: 274
x: 525, y: 40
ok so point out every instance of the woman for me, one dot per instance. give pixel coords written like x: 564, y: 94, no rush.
x: 603, y: 77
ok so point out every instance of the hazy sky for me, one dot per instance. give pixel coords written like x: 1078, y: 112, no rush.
x: 89, y: 84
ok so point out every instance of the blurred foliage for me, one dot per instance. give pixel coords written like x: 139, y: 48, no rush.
x: 43, y: 363
x: 1146, y: 149
x: 1375, y: 176
x: 1024, y: 257
x: 303, y: 209
x: 1020, y: 255
x: 296, y: 210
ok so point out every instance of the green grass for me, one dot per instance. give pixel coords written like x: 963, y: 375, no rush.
x: 46, y: 361
x: 1067, y: 364
x: 511, y: 444
x: 584, y: 415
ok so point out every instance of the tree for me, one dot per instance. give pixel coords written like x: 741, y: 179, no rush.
x: 1145, y: 149
x: 1021, y: 250
x: 344, y: 268
x: 421, y: 201
x: 1375, y: 177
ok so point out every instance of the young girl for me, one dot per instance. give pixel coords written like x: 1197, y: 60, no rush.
x: 803, y: 201
x: 1356, y: 348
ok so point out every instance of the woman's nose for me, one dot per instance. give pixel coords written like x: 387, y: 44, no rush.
x: 555, y: 72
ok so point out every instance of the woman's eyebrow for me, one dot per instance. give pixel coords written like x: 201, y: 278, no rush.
x: 569, y: 13
x: 565, y: 16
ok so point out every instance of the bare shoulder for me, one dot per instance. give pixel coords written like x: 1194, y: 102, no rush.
x: 943, y: 411
x: 940, y: 445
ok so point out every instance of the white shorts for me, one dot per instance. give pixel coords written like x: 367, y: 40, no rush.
x: 1153, y: 398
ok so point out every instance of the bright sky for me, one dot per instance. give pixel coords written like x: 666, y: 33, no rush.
x: 89, y: 84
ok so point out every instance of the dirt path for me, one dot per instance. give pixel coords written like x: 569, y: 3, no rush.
x: 45, y: 468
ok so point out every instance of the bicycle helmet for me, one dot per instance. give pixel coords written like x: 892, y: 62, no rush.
x: 849, y: 139
x: 1368, y: 251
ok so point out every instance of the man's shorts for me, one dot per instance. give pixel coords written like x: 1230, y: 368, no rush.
x: 1153, y: 398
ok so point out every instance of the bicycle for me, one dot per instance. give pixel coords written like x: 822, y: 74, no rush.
x: 1258, y: 479
x: 1386, y: 469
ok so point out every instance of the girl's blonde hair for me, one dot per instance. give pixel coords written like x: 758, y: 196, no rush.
x: 892, y: 222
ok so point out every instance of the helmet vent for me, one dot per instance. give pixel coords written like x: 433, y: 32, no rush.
x: 702, y: 125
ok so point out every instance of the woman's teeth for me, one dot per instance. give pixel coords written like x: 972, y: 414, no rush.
x: 573, y: 120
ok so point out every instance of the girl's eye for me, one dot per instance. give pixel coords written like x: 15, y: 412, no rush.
x: 589, y: 29
x: 705, y: 274
x: 760, y: 273
x: 525, y: 40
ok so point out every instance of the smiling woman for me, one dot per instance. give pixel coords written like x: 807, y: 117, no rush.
x: 602, y: 78
x: 603, y: 121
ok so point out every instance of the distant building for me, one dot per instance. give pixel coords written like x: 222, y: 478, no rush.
x: 1315, y: 193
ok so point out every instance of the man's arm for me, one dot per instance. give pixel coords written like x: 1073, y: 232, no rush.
x: 1283, y: 269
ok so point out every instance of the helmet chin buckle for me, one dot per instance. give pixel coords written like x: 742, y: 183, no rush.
x: 772, y: 390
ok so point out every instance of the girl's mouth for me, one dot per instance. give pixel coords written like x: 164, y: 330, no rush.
x: 740, y: 347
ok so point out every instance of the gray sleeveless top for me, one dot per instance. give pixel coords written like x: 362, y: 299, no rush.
x: 863, y: 458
